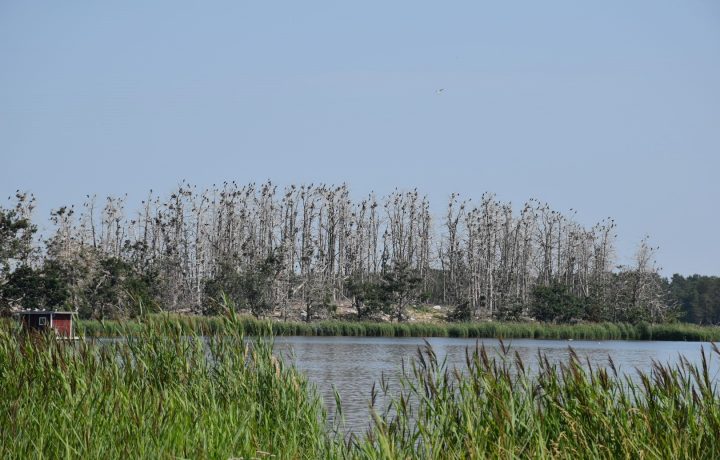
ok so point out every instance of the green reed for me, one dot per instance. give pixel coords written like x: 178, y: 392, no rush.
x: 165, y: 391
x: 210, y: 325
x: 497, y: 408
x: 157, y: 394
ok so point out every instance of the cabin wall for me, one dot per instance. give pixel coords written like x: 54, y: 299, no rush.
x: 63, y: 324
x: 33, y: 322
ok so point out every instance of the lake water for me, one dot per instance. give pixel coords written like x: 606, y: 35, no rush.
x: 353, y: 364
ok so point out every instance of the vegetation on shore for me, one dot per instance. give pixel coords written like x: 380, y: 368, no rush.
x: 159, y: 394
x: 166, y: 394
x: 498, y: 408
x: 211, y: 325
x: 307, y: 252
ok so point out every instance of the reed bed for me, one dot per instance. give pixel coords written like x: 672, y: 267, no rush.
x: 166, y: 392
x: 157, y: 394
x: 210, y: 325
x: 497, y: 408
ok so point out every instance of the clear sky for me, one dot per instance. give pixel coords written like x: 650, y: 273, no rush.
x: 609, y: 107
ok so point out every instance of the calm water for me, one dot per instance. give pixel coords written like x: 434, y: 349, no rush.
x: 352, y: 364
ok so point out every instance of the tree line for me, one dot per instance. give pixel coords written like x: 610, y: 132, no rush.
x: 309, y: 248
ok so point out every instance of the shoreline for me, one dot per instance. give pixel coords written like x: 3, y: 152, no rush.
x: 146, y: 397
x: 211, y: 325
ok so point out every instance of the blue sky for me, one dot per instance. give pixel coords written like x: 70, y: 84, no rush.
x: 611, y: 108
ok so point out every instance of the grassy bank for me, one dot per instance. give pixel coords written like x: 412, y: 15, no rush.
x: 163, y: 394
x: 159, y: 394
x: 497, y: 408
x: 250, y: 326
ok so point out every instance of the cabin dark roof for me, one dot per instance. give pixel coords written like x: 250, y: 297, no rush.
x: 45, y: 312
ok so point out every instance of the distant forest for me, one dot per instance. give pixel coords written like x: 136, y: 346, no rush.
x: 310, y: 248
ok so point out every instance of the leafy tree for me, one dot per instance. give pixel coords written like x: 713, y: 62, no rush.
x: 368, y: 297
x: 117, y: 290
x: 226, y: 284
x: 317, y: 299
x: 400, y: 287
x: 511, y: 310
x: 698, y: 297
x: 16, y: 234
x: 462, y: 312
x: 44, y: 288
x: 258, y: 285
x: 17, y: 278
x: 597, y: 309
x: 253, y: 288
x: 555, y: 303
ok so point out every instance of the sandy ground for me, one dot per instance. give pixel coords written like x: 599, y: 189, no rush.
x: 345, y: 311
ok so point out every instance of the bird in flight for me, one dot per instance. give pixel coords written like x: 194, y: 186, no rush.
x: 440, y: 90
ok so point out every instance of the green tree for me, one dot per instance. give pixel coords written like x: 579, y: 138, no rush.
x: 258, y: 285
x: 16, y: 235
x: 401, y: 286
x: 116, y: 290
x: 252, y: 288
x: 317, y: 298
x: 227, y: 283
x: 555, y: 303
x: 368, y: 297
x: 43, y: 288
x: 17, y: 277
x: 698, y: 297
x: 510, y: 310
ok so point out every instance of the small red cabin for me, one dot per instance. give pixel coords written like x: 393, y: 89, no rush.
x: 42, y: 320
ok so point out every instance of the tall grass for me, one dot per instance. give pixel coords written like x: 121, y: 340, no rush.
x: 210, y: 325
x: 163, y: 392
x: 497, y: 408
x: 158, y: 394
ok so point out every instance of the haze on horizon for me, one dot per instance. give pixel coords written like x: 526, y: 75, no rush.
x: 612, y: 109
